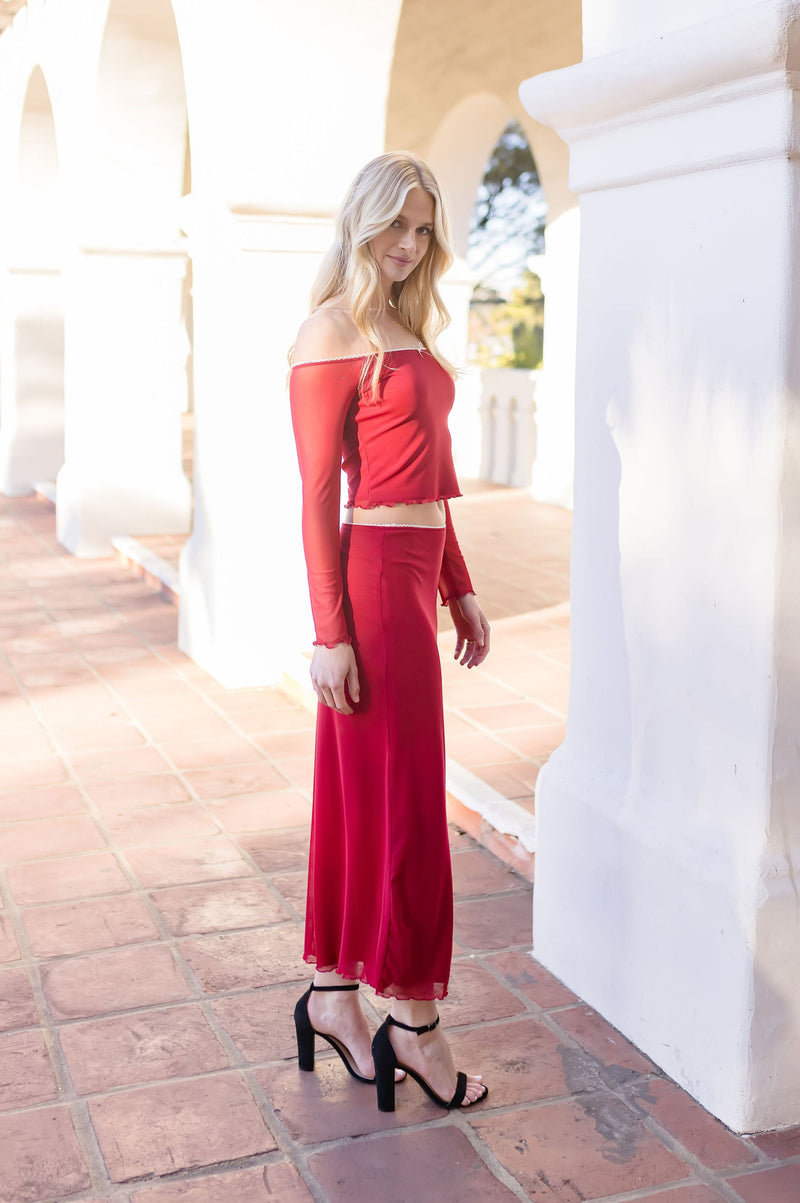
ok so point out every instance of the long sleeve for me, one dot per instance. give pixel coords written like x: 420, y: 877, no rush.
x: 453, y: 578
x: 320, y: 395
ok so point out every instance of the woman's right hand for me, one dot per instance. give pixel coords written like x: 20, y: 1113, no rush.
x: 331, y: 669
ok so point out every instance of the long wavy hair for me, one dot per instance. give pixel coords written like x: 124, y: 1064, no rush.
x: 350, y: 270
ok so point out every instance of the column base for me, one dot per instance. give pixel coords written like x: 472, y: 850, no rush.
x: 228, y: 619
x: 33, y: 451
x: 92, y: 510
x: 666, y: 952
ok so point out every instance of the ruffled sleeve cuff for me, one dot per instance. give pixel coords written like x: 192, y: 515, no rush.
x: 454, y: 579
x: 332, y: 642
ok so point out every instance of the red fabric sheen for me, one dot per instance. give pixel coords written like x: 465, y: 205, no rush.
x: 380, y: 897
x: 394, y: 448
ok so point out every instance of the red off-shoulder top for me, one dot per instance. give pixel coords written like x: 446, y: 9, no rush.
x: 393, y: 448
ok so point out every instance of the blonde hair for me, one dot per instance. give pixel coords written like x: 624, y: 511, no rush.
x: 373, y: 201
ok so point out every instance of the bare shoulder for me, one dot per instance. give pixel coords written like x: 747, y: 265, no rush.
x: 327, y: 334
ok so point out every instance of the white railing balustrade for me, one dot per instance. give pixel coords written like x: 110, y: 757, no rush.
x: 508, y: 425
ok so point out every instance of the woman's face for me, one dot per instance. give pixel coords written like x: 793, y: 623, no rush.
x: 402, y: 245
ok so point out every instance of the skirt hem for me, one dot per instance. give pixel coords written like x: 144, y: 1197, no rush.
x: 435, y: 994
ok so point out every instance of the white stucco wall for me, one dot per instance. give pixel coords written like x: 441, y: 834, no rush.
x: 610, y: 25
x: 278, y: 122
x: 668, y: 845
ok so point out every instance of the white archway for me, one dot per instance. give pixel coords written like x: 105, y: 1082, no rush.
x: 32, y: 371
x: 459, y: 151
x: 141, y: 128
x: 127, y: 331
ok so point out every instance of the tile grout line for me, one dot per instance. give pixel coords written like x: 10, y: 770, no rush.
x: 67, y: 1094
x: 619, y: 1090
x: 487, y: 1156
x: 457, y: 711
x: 627, y: 1102
x: 96, y: 815
x: 525, y: 816
x: 241, y: 1063
x: 233, y: 1057
x: 86, y: 1132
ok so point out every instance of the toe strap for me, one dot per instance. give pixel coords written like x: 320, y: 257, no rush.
x: 461, y: 1090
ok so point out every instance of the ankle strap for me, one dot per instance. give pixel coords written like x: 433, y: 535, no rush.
x: 426, y: 1027
x: 352, y: 986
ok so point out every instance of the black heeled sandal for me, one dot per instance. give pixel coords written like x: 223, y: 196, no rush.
x: 306, y: 1033
x: 386, y: 1063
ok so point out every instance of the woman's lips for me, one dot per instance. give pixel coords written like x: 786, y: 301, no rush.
x: 402, y: 262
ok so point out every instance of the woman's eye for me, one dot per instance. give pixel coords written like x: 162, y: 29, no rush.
x: 426, y: 230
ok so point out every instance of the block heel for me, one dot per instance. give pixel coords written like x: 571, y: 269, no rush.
x: 385, y: 1059
x: 386, y: 1063
x: 306, y: 1032
x: 305, y: 1035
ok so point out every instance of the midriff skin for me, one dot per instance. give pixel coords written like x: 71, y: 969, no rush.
x: 405, y: 513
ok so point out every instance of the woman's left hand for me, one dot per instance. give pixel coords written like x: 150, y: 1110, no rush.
x: 472, y: 630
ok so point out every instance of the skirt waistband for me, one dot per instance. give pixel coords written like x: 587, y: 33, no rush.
x: 397, y: 525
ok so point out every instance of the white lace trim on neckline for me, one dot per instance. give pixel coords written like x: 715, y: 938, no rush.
x: 365, y: 355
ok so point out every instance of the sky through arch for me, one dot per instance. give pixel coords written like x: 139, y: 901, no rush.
x: 508, y: 218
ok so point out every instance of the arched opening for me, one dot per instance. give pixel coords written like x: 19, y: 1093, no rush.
x: 144, y: 150
x: 130, y: 320
x: 506, y: 240
x: 506, y: 323
x: 458, y: 153
x: 32, y: 390
x: 498, y: 425
x: 484, y: 161
x: 141, y: 125
x: 471, y: 68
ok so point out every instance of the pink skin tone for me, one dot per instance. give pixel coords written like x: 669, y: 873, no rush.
x: 402, y: 245
x: 397, y: 250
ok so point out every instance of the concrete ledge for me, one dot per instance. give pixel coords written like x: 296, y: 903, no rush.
x: 46, y: 489
x: 498, y: 810
x: 147, y: 565
x: 506, y: 848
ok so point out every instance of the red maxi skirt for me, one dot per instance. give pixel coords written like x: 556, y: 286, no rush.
x: 380, y: 895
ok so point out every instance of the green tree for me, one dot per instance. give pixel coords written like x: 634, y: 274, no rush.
x: 517, y: 326
x: 510, y: 205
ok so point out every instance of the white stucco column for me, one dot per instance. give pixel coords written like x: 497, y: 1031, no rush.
x: 465, y: 418
x: 275, y: 144
x: 668, y: 857
x: 553, y: 468
x: 244, y: 609
x: 125, y: 388
x: 31, y: 378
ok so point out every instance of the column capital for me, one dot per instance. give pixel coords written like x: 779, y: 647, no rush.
x: 146, y: 251
x: 207, y: 218
x: 710, y: 95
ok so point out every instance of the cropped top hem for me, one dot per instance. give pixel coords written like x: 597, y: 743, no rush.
x: 373, y: 505
x: 449, y: 597
x: 399, y: 446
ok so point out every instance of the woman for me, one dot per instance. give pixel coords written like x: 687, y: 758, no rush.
x: 370, y: 393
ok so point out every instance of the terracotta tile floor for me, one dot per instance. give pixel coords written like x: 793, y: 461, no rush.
x: 152, y: 864
x: 504, y: 721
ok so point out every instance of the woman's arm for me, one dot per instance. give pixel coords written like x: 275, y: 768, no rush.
x: 472, y: 630
x: 454, y: 579
x: 321, y: 389
x: 457, y: 592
